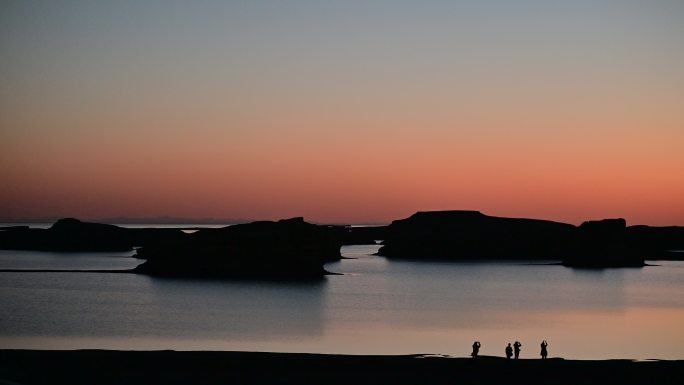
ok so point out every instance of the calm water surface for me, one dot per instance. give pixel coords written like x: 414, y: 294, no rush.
x: 376, y: 307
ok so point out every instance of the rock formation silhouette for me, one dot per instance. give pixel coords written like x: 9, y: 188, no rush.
x: 446, y: 235
x: 289, y: 248
x: 603, y: 243
x: 70, y: 234
x: 471, y: 235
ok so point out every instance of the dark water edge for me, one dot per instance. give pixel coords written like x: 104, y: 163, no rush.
x: 198, y: 367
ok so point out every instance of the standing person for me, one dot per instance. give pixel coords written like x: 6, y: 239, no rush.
x: 544, y: 353
x: 516, y: 349
x: 476, y: 349
x: 509, y: 351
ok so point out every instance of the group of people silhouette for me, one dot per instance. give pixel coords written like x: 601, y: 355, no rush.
x: 512, y: 350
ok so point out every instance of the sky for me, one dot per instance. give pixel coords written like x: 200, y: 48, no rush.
x: 342, y: 111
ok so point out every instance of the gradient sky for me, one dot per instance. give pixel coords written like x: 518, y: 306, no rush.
x: 342, y: 111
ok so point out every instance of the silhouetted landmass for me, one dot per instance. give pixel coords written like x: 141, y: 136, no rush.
x: 70, y: 234
x: 459, y: 235
x: 657, y: 242
x: 451, y: 235
x: 290, y: 248
x: 169, y: 367
x: 473, y: 235
x: 285, y: 249
x: 603, y: 243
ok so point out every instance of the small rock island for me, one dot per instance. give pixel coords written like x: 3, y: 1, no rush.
x: 289, y: 248
x: 73, y: 235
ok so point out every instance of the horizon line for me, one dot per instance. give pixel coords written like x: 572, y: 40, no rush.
x: 171, y: 220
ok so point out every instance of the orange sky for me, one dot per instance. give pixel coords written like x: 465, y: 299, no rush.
x: 342, y: 113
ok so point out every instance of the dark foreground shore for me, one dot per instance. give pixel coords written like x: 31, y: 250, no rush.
x: 171, y: 367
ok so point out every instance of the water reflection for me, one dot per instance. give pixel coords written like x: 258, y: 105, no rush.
x: 599, y: 288
x: 455, y: 294
x: 28, y: 259
x: 78, y: 304
x: 379, y: 306
x: 243, y: 309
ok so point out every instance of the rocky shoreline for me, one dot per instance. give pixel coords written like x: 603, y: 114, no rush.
x: 199, y: 367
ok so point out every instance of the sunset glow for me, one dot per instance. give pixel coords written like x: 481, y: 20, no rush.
x: 342, y: 112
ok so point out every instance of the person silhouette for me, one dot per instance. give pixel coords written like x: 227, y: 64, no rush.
x: 516, y: 349
x: 509, y: 351
x: 544, y: 352
x: 476, y: 349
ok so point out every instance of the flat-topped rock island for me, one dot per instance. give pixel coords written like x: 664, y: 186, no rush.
x: 472, y: 235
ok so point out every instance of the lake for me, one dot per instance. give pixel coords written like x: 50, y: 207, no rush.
x: 377, y: 306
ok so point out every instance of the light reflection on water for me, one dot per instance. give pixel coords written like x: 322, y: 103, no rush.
x: 377, y: 307
x: 22, y: 259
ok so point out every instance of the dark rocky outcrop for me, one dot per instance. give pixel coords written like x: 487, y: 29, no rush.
x: 67, y: 235
x: 458, y: 235
x: 473, y: 235
x: 70, y: 234
x: 290, y: 248
x: 271, y: 248
x: 603, y: 243
x: 660, y: 243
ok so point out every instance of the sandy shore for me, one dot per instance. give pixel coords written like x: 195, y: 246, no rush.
x: 171, y: 367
